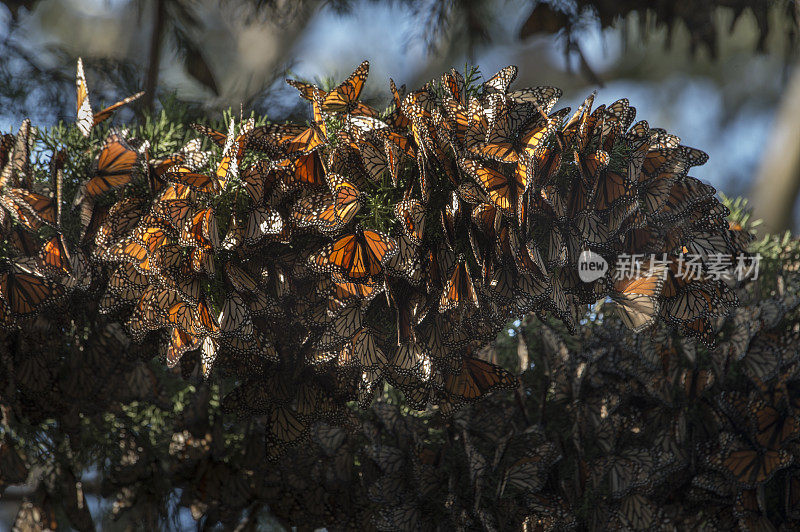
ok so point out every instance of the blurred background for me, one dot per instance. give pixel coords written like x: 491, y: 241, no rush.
x: 716, y: 73
x: 721, y: 74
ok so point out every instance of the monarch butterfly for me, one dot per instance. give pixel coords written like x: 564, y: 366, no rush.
x: 411, y: 214
x: 30, y: 209
x: 233, y: 152
x: 16, y: 169
x: 54, y: 258
x: 411, y: 306
x: 700, y: 328
x: 526, y: 256
x: 345, y: 97
x: 24, y: 292
x: 201, y: 259
x: 547, y: 162
x: 357, y: 256
x: 305, y: 170
x: 345, y: 292
x: 200, y: 229
x: 116, y: 166
x: 773, y: 429
x: 311, y: 92
x: 441, y: 261
x: 125, y: 286
x: 189, y: 157
x: 453, y: 82
x: 309, y: 139
x: 504, y: 192
x: 578, y: 128
x: 621, y: 116
x: 175, y: 212
x: 121, y: 218
x: 254, y: 397
x: 306, y: 90
x: 365, y: 125
x: 501, y: 140
x: 590, y: 166
x: 365, y: 350
x: 137, y: 247
x: 614, y: 194
x: 86, y: 119
x: 542, y: 98
x: 638, y: 140
x: 346, y: 197
x: 183, y: 315
x: 533, y: 137
x: 684, y: 195
x: 412, y: 359
x: 500, y: 81
x: 637, y: 512
x: 21, y: 242
x: 263, y: 221
x: 343, y: 327
x: 529, y: 474
x: 240, y: 278
x: 694, y: 301
x: 397, y: 118
x: 232, y: 145
x: 637, y: 296
x: 393, y: 151
x: 467, y: 129
x: 662, y: 162
x: 626, y: 471
x: 194, y: 181
x: 407, y: 262
x: 180, y: 343
x: 271, y: 138
x: 458, y: 290
x: 6, y: 144
x: 419, y: 105
x: 262, y: 180
x: 317, y: 210
x: 158, y: 308
x: 748, y: 467
x: 219, y: 138
x: 475, y: 379
x: 453, y: 220
x: 234, y: 318
x: 373, y: 154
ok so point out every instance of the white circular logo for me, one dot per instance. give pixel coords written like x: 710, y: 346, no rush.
x: 591, y: 266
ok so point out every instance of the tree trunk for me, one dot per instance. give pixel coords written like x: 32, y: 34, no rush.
x: 775, y: 190
x: 154, y: 61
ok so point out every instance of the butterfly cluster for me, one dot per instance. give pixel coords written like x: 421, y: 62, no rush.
x: 634, y: 432
x: 312, y: 263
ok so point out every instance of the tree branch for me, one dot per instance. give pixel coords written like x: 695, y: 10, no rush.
x: 775, y: 189
x: 154, y: 61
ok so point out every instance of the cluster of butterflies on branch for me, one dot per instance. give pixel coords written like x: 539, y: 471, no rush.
x: 621, y: 431
x: 315, y: 262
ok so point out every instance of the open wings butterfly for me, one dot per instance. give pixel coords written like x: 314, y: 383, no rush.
x: 358, y: 256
